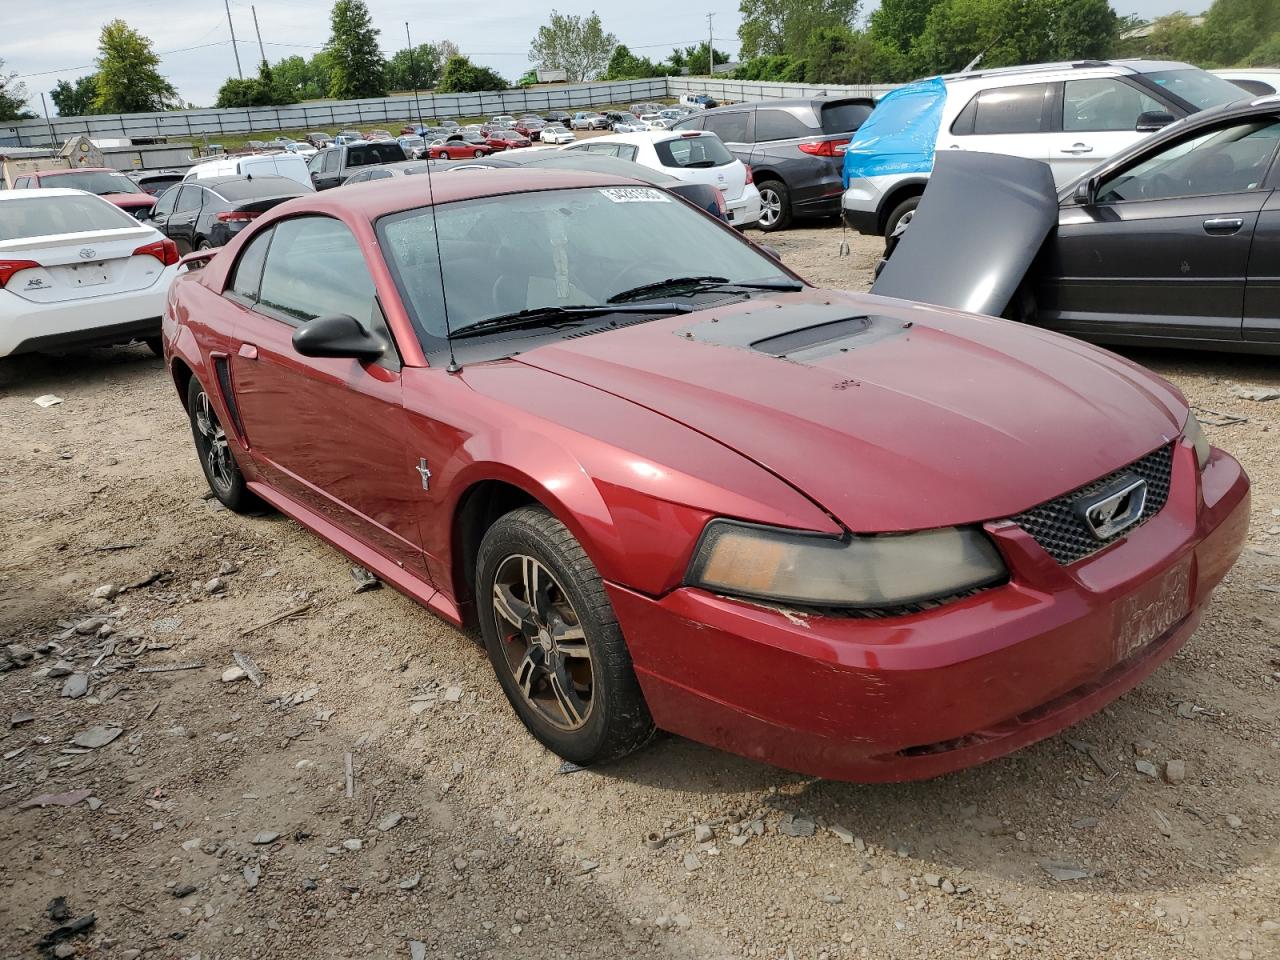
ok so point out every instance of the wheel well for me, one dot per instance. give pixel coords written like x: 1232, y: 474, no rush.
x: 892, y: 200
x: 766, y: 174
x: 480, y: 507
x: 181, y: 379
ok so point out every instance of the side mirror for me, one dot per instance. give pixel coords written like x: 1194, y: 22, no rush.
x: 337, y: 336
x: 1086, y: 192
x: 1153, y: 120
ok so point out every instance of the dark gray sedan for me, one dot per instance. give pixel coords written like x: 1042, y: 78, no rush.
x: 1174, y: 242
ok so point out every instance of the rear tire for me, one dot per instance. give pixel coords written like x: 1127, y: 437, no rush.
x: 217, y: 459
x: 907, y: 206
x: 554, y: 642
x: 155, y: 345
x: 775, y: 205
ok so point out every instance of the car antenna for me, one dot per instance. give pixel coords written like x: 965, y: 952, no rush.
x: 454, y: 366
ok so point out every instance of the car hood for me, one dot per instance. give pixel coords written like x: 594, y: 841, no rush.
x: 981, y: 221
x: 891, y: 416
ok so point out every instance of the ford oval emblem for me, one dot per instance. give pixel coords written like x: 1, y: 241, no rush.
x: 87, y: 253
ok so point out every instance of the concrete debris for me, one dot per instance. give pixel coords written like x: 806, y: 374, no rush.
x: 568, y: 766
x: 92, y: 625
x: 1175, y: 771
x: 61, y: 668
x: 76, y: 686
x: 1143, y: 748
x: 266, y: 836
x: 107, y: 591
x: 417, y: 950
x: 251, y: 670
x: 364, y: 580
x: 1147, y: 767
x: 453, y: 694
x: 94, y: 803
x: 1085, y: 823
x: 353, y: 844
x: 1257, y: 394
x: 47, y: 400
x: 691, y: 862
x: 1187, y: 710
x: 793, y: 826
x: 932, y: 879
x: 16, y: 655
x: 184, y: 890
x: 252, y: 874
x: 172, y: 667
x: 409, y: 883
x: 68, y: 799
x: 389, y: 821
x: 20, y: 717
x: 228, y: 567
x: 214, y: 585
x: 832, y: 898
x: 844, y: 833
x: 1234, y: 822
x: 96, y: 737
x: 232, y: 674
x: 309, y: 884
x: 740, y: 840
x: 948, y: 886
x: 1062, y: 872
x: 703, y: 833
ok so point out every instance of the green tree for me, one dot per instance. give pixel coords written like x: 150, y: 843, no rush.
x: 13, y: 97
x: 75, y: 99
x: 786, y: 26
x: 292, y: 76
x: 625, y: 65
x: 1265, y: 54
x: 577, y: 45
x: 899, y: 22
x: 1172, y: 37
x: 129, y: 80
x: 416, y: 69
x: 264, y: 90
x: 774, y: 68
x: 1233, y: 28
x: 356, y: 67
x: 462, y: 76
x: 844, y: 56
x: 695, y: 58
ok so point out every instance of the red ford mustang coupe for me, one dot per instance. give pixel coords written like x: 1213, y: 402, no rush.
x: 676, y: 487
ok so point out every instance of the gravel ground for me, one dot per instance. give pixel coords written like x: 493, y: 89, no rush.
x: 218, y: 824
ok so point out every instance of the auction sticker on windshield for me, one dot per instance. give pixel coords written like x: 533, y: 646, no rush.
x: 635, y: 195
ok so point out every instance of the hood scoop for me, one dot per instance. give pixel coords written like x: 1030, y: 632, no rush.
x: 802, y: 333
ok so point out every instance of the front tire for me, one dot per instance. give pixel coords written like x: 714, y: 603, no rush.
x: 775, y: 205
x: 554, y: 642
x: 213, y: 446
x: 903, y: 211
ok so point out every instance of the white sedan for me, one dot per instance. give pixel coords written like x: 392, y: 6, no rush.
x: 694, y: 156
x: 77, y: 271
x: 556, y: 134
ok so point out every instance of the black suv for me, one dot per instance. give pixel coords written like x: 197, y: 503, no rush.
x: 795, y: 149
x: 332, y: 165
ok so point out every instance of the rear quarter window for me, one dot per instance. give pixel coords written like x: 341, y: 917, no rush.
x: 693, y: 152
x: 1002, y: 110
x: 730, y: 127
x: 773, y: 123
x: 842, y: 117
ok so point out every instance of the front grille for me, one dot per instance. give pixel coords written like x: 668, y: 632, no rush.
x: 1064, y: 535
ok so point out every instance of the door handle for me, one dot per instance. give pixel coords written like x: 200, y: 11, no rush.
x: 1078, y: 148
x: 248, y: 351
x: 1223, y: 224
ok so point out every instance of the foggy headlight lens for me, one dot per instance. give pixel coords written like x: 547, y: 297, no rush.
x: 1195, y: 433
x: 810, y: 569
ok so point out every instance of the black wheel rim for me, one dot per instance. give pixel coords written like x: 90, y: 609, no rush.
x: 770, y: 207
x: 211, y: 441
x: 543, y: 642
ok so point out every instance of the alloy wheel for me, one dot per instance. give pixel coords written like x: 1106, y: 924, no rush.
x: 214, y: 449
x: 543, y: 641
x: 770, y: 207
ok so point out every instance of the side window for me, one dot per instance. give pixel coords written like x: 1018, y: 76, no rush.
x: 731, y: 127
x: 1002, y: 110
x: 316, y: 163
x: 775, y: 124
x: 332, y: 160
x: 627, y: 151
x: 356, y: 157
x: 21, y: 183
x: 315, y: 268
x: 360, y: 177
x: 248, y: 271
x: 1231, y: 159
x: 164, y: 206
x: 604, y: 149
x: 379, y: 174
x: 188, y: 199
x: 1103, y: 103
x: 691, y: 123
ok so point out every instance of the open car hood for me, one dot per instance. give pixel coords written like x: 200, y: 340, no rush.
x: 980, y: 224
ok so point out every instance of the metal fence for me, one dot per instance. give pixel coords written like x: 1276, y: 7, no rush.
x: 392, y: 112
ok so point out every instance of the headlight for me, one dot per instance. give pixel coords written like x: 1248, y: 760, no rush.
x: 1195, y: 433
x: 855, y: 571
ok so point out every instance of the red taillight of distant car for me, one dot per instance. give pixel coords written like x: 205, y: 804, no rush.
x: 824, y: 148
x: 166, y: 251
x: 9, y: 267
x: 238, y: 216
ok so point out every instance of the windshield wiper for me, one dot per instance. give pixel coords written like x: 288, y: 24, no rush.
x: 695, y: 284
x: 550, y: 316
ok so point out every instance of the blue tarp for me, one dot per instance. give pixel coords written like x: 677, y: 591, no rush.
x: 900, y: 134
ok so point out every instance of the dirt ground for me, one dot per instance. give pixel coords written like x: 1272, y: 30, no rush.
x: 217, y: 823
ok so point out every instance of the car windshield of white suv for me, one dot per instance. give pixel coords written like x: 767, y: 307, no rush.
x: 1201, y: 90
x: 568, y: 252
x: 100, y: 182
x: 44, y: 216
x: 691, y: 152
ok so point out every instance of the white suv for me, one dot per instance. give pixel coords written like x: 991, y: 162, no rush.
x: 694, y: 156
x: 1070, y: 115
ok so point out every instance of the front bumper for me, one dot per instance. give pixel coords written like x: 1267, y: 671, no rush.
x: 915, y: 696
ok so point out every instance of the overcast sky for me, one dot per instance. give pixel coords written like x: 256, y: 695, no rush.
x: 58, y: 39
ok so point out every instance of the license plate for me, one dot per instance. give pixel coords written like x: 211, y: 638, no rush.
x: 89, y: 274
x: 1149, y: 613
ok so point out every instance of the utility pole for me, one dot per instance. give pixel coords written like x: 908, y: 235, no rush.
x: 711, y: 48
x: 413, y: 73
x: 234, y: 48
x: 261, y: 52
x: 53, y: 140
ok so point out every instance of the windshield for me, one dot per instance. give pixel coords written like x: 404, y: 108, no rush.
x: 99, y: 182
x: 1196, y: 88
x: 22, y: 217
x: 580, y: 247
